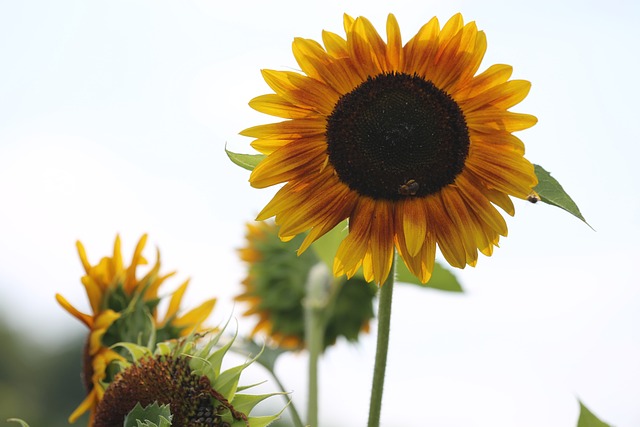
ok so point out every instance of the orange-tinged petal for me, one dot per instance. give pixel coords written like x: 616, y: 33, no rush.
x: 89, y: 402
x: 394, y: 44
x: 382, y: 240
x: 335, y: 45
x: 504, y: 96
x: 420, y: 51
x: 84, y: 318
x: 412, y: 218
x: 354, y: 247
x: 137, y: 259
x: 193, y: 318
x: 292, y: 161
x: 176, y: 300
x: 275, y: 105
x: 83, y: 257
x: 367, y: 48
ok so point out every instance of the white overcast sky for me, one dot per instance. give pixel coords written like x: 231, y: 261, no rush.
x: 113, y: 119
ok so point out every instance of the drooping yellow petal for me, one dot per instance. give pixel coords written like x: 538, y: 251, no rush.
x: 84, y: 318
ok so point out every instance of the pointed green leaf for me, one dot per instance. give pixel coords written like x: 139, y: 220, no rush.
x: 151, y: 415
x: 246, y: 161
x: 227, y: 383
x: 19, y: 421
x: 441, y: 278
x: 552, y: 193
x: 250, y: 348
x: 246, y: 402
x: 260, y: 421
x: 137, y: 352
x: 588, y: 419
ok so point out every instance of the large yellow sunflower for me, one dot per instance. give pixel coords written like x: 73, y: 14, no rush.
x: 124, y: 310
x: 405, y: 141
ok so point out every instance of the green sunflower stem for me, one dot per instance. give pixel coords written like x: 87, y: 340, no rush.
x: 382, y: 347
x: 316, y: 302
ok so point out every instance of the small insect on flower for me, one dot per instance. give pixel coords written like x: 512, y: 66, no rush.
x: 409, y: 188
x: 533, y: 197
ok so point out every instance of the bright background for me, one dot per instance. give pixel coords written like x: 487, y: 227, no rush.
x: 114, y: 117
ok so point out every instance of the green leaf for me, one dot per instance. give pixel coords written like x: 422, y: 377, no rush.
x: 153, y: 415
x: 588, y: 419
x: 267, y: 355
x: 327, y: 245
x: 19, y: 421
x: 246, y: 161
x: 441, y: 278
x: 552, y: 193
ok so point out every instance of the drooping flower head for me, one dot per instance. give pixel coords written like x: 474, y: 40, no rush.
x: 275, y: 290
x: 124, y: 309
x: 407, y: 142
x: 186, y: 376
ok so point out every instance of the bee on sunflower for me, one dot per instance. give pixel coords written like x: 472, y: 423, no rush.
x: 406, y: 141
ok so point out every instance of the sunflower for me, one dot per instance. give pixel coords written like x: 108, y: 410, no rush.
x: 124, y: 309
x: 185, y: 376
x: 275, y: 290
x: 407, y: 142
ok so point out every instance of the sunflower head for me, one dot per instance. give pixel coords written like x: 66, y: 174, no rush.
x: 405, y: 140
x: 188, y: 378
x: 275, y: 290
x: 124, y: 309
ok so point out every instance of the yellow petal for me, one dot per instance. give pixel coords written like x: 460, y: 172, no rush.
x: 193, y: 318
x: 414, y: 224
x: 176, y: 300
x: 84, y: 318
x: 394, y: 44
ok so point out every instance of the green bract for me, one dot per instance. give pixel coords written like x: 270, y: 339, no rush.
x: 185, y: 377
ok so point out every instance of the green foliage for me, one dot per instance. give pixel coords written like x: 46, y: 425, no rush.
x: 19, y: 421
x: 153, y: 415
x: 588, y: 419
x: 552, y: 193
x: 245, y: 161
x: 441, y: 278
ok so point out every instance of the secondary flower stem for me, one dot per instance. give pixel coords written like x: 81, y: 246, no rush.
x: 315, y: 306
x: 382, y: 347
x: 297, y: 421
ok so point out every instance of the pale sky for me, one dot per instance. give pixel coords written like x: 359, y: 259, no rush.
x: 113, y: 119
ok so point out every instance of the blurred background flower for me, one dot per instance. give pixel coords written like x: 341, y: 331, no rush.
x: 275, y: 291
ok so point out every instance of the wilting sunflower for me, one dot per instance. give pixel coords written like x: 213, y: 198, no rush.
x: 186, y: 377
x: 124, y: 310
x: 275, y: 290
x: 405, y: 141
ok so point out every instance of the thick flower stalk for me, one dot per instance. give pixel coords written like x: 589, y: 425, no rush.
x: 406, y: 141
x: 124, y: 309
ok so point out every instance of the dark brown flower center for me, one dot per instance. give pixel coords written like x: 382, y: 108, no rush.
x: 165, y: 380
x: 397, y: 136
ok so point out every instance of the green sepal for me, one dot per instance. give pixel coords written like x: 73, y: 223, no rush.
x: 19, y: 421
x: 441, y: 278
x: 245, y: 161
x: 588, y: 419
x: 153, y: 415
x: 137, y: 352
x: 552, y: 193
x: 256, y: 421
x: 267, y: 355
x: 210, y: 365
x: 246, y: 402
